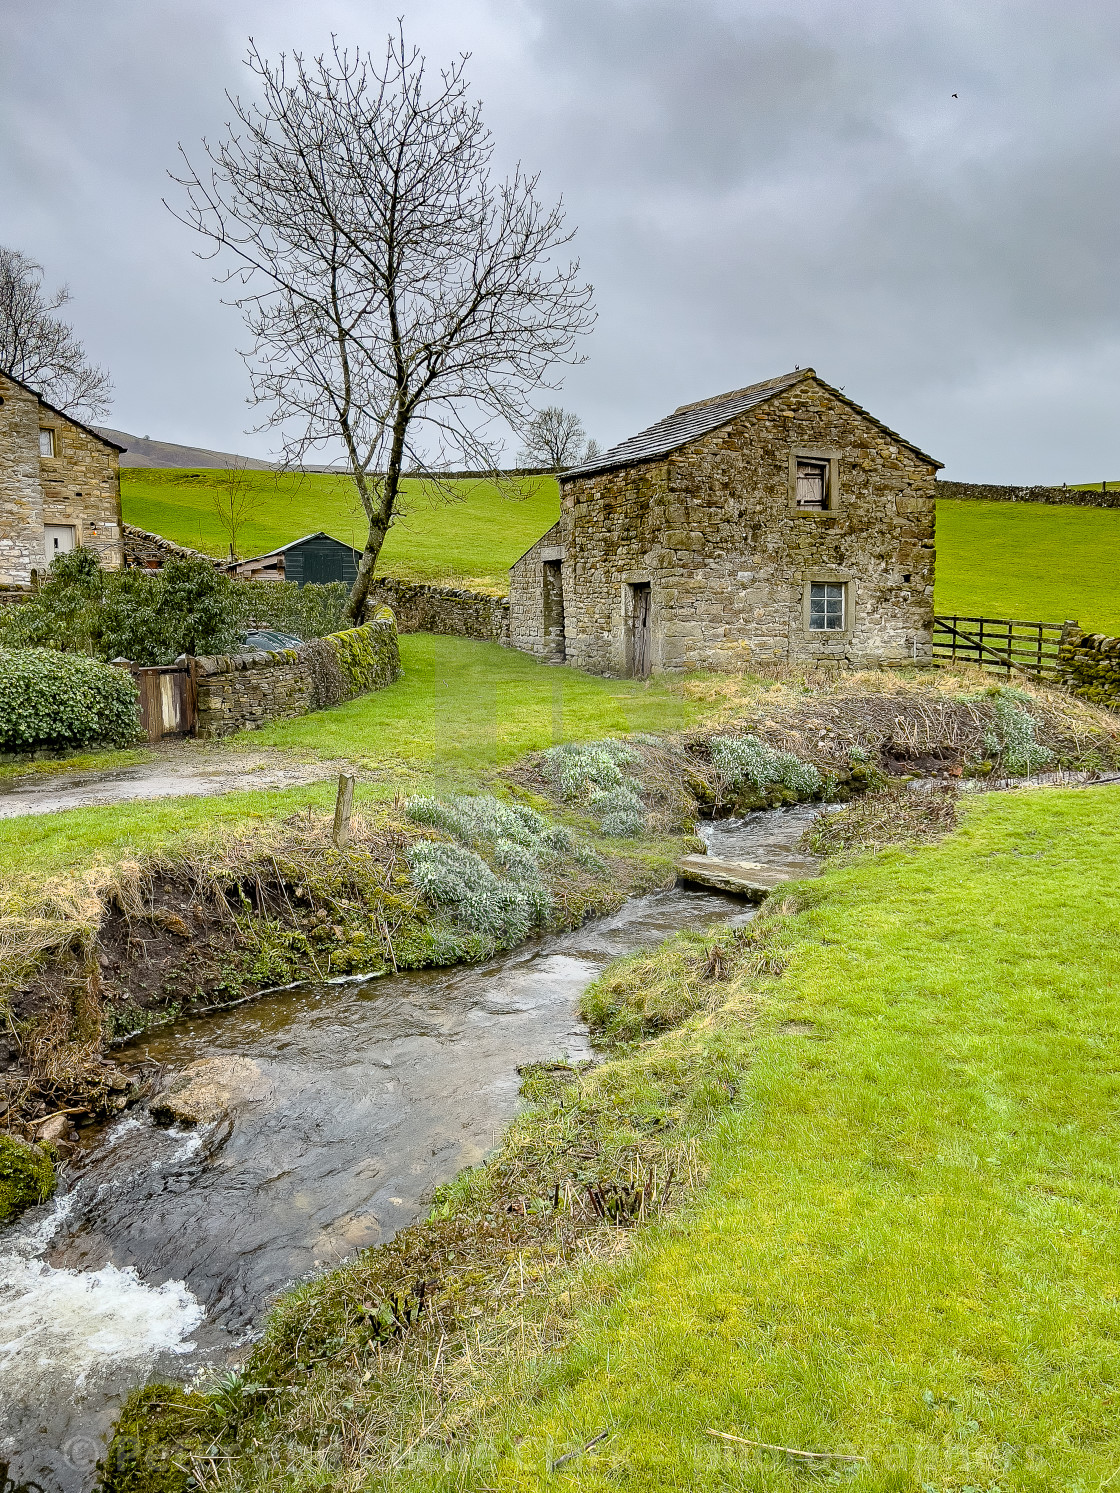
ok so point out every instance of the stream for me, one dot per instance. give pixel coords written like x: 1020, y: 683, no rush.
x: 163, y: 1248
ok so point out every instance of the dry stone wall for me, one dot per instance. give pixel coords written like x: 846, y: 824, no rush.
x: 990, y: 492
x: 1089, y: 665
x: 713, y: 531
x: 250, y: 689
x: 151, y: 551
x: 443, y: 609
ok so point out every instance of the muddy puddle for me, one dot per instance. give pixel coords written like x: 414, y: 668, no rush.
x: 162, y: 1254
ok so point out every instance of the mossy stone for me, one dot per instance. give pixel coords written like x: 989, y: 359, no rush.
x: 27, y: 1177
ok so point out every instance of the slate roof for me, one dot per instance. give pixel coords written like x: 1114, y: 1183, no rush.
x: 294, y: 544
x: 89, y: 429
x: 692, y: 420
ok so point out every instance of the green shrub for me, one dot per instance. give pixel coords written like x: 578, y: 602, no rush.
x: 50, y: 699
x: 306, y: 612
x: 26, y: 1177
x: 148, y: 617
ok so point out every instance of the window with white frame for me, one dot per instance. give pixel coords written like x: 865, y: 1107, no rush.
x: 827, y: 606
x: 46, y: 441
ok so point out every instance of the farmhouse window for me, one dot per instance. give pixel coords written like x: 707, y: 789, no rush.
x: 812, y: 485
x: 46, y: 441
x: 826, y: 606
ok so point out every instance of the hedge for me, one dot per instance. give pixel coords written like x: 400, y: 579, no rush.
x: 50, y: 699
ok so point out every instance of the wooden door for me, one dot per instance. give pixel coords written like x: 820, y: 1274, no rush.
x: 167, y: 701
x: 641, y: 651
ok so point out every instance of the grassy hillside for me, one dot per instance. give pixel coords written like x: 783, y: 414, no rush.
x: 475, y: 539
x: 1029, y: 560
x: 1026, y: 560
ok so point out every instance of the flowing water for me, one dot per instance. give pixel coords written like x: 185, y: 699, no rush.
x: 160, y: 1255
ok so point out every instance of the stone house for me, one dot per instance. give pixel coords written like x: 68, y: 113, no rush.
x: 777, y: 522
x: 59, y: 487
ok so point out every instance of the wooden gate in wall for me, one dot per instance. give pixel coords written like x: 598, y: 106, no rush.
x: 1001, y: 643
x: 168, y: 700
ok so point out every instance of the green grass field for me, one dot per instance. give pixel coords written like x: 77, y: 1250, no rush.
x: 461, y: 710
x: 1030, y: 561
x: 476, y: 539
x: 908, y: 1250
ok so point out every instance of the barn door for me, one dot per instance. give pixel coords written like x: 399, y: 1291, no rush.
x: 641, y: 652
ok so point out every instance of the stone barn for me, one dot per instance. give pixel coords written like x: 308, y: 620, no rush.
x: 780, y: 521
x: 60, y: 487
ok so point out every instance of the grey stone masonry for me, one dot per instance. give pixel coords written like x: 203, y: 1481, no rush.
x: 712, y: 551
x: 442, y: 609
x: 147, y: 551
x: 66, y: 481
x: 248, y: 690
x: 535, y: 611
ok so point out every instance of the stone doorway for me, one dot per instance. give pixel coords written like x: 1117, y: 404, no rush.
x: 641, y: 651
x: 553, y: 611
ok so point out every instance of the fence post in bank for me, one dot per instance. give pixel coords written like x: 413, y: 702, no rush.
x: 343, y: 808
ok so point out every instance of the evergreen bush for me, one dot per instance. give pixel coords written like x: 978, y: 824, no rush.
x: 51, y: 699
x: 150, y: 617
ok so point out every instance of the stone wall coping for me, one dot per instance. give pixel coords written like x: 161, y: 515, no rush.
x: 231, y: 663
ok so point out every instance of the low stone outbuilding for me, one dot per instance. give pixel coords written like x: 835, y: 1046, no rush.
x: 777, y: 522
x: 60, y: 487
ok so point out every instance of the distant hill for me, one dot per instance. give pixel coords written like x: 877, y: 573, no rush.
x: 141, y: 452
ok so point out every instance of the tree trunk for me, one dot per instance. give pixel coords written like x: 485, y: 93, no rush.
x: 378, y: 526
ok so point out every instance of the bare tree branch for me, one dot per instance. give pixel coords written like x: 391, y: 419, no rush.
x: 236, y: 499
x: 398, y: 298
x: 38, y: 347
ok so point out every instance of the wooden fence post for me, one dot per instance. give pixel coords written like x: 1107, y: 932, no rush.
x: 343, y: 808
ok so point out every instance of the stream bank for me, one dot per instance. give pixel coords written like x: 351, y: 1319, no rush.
x: 165, y: 1246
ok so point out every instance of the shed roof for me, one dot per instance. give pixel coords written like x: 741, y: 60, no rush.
x: 89, y: 429
x: 295, y: 544
x: 692, y: 420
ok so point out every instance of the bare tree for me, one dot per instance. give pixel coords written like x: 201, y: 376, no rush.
x: 556, y: 439
x: 398, y: 298
x: 38, y: 347
x: 235, y: 498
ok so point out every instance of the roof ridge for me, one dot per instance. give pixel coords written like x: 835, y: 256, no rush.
x: 783, y: 379
x: 691, y: 421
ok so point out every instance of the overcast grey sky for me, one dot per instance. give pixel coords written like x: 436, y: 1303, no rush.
x: 756, y: 186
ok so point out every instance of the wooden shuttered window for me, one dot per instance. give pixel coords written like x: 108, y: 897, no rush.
x: 812, y: 485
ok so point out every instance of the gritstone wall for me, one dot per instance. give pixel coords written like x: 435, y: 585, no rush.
x: 442, y: 609
x: 1089, y: 664
x: 989, y: 492
x: 251, y: 689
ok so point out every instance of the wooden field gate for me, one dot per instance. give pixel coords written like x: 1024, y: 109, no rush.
x: 1001, y: 644
x: 168, y: 700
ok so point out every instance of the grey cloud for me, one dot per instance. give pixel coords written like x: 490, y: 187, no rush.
x: 756, y: 185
